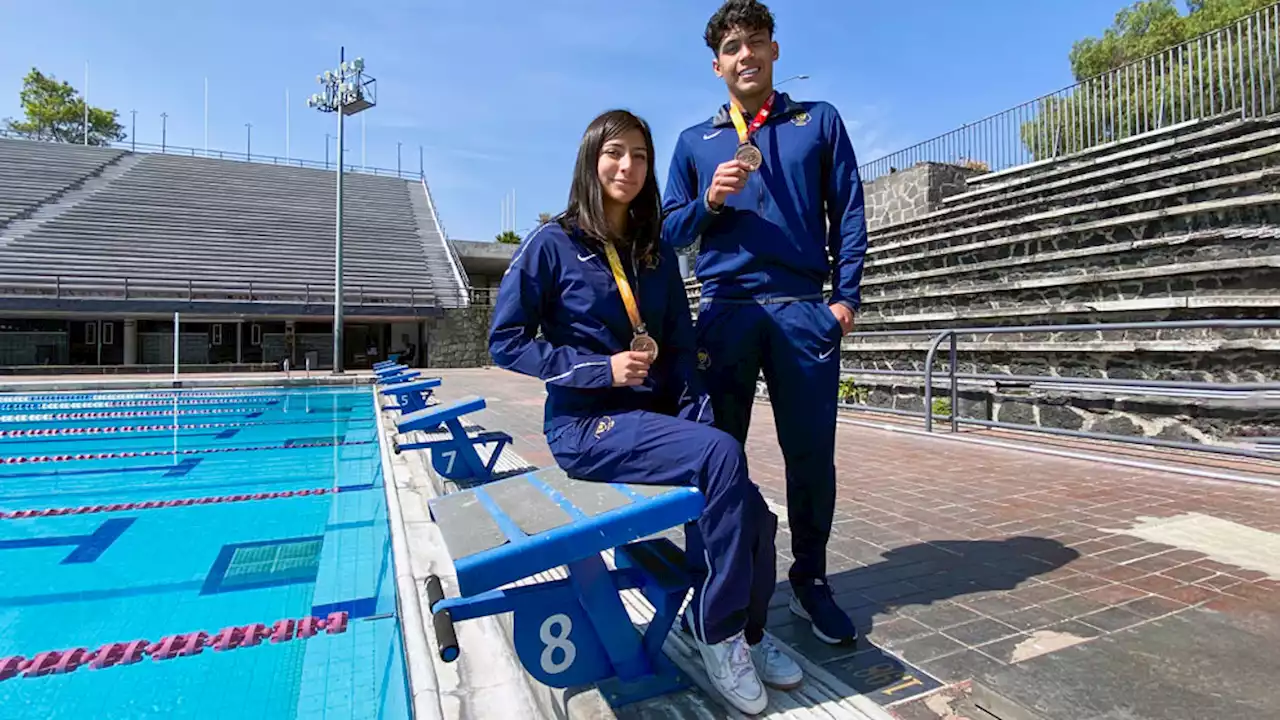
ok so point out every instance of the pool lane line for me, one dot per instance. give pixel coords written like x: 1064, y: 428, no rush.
x: 183, y: 502
x: 111, y: 404
x: 119, y: 429
x: 70, y: 457
x: 119, y: 415
x: 57, y: 662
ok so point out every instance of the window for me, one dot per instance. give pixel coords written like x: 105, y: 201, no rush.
x: 91, y: 332
x: 108, y: 333
x: 255, y: 334
x: 217, y: 333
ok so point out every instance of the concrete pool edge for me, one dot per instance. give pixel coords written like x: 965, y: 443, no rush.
x: 424, y: 689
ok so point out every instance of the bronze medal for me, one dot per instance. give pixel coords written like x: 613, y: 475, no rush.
x: 750, y: 157
x: 645, y: 344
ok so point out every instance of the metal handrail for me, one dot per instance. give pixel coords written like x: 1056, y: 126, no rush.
x: 1233, y: 71
x: 199, y: 290
x: 167, y: 149
x: 940, y: 336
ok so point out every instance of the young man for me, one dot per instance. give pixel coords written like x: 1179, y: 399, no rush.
x: 765, y: 191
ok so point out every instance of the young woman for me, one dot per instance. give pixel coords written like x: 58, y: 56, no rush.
x: 624, y: 401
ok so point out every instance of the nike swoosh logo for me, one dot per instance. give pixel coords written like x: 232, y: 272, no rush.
x: 825, y: 355
x: 586, y: 258
x: 714, y: 134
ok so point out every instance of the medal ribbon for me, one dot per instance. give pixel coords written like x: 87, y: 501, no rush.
x: 740, y: 124
x: 624, y: 287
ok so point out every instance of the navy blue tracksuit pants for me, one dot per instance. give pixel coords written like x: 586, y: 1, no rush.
x: 797, y: 345
x: 734, y: 536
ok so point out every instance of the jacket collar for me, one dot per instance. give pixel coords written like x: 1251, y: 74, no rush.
x: 783, y: 106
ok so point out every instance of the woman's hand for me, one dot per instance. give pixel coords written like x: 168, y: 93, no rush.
x: 630, y: 368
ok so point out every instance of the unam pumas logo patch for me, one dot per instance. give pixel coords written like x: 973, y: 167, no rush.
x: 800, y: 119
x: 704, y: 359
x: 604, y: 426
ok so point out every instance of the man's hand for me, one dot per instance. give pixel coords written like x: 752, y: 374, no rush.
x: 844, y: 315
x: 630, y: 368
x: 730, y: 177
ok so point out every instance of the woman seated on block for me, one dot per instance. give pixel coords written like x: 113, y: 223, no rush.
x: 624, y: 401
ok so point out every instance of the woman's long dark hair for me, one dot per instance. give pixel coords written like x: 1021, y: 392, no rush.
x: 586, y: 197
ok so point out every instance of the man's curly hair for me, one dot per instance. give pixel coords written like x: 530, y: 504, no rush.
x: 750, y: 15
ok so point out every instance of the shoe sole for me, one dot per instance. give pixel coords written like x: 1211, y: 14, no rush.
x: 798, y: 610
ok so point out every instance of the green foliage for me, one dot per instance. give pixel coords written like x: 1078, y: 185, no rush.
x: 851, y: 393
x: 55, y: 112
x: 1191, y: 81
x: 509, y: 237
x: 942, y: 406
x: 1149, y: 26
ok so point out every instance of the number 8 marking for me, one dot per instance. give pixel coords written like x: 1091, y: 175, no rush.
x: 559, y: 639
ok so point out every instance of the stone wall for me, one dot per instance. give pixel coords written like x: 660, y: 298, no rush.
x: 907, y: 194
x: 460, y: 338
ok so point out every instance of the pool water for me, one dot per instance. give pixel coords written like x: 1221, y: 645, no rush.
x: 131, y: 573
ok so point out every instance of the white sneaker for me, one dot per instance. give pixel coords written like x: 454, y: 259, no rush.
x: 775, y: 667
x: 733, y: 673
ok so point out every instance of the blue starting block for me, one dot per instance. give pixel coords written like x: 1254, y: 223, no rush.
x: 396, y: 378
x: 413, y: 395
x: 383, y: 364
x: 453, y: 456
x: 574, y: 631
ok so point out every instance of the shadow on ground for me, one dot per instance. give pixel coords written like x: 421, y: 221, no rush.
x: 898, y: 601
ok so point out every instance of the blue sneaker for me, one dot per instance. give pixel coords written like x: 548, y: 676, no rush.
x: 814, y: 602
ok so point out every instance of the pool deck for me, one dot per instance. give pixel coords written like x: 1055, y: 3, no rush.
x: 1035, y: 579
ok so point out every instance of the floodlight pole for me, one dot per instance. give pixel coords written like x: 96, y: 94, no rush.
x: 344, y: 98
x: 337, y: 243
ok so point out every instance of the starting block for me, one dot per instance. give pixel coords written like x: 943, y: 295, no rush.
x: 574, y: 631
x: 413, y: 395
x: 395, y: 378
x: 454, y: 455
x: 383, y: 364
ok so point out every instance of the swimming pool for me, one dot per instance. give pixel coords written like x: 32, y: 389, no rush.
x: 128, y: 516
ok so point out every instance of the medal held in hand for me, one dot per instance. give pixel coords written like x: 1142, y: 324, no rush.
x: 641, y: 342
x: 748, y: 154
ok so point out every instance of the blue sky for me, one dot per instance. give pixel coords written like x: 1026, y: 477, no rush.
x: 498, y: 92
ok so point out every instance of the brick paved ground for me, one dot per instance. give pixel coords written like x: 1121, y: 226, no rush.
x: 961, y: 559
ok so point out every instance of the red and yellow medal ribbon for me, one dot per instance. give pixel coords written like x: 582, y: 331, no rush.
x: 624, y: 287
x: 740, y: 123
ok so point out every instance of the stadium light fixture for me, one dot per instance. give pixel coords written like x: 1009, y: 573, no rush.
x: 345, y: 91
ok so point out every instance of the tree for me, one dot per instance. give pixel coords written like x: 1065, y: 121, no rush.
x: 55, y: 112
x: 544, y: 218
x: 1147, y: 71
x: 509, y: 237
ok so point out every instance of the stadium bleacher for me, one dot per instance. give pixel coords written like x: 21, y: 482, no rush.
x: 174, y: 218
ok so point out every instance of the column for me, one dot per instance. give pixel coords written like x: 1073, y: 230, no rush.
x: 239, y: 341
x: 130, y: 342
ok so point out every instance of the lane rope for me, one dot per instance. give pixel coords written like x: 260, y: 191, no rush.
x: 156, y: 504
x: 57, y: 662
x: 25, y: 459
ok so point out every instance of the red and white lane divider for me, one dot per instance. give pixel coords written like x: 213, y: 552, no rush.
x: 58, y: 662
x: 103, y: 404
x: 113, y: 430
x: 156, y: 504
x: 25, y: 459
x: 116, y: 415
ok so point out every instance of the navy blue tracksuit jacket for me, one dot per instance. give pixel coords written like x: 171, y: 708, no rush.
x: 657, y: 433
x: 762, y: 261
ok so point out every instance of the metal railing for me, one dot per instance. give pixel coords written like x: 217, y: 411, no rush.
x: 167, y: 149
x: 1233, y: 72
x: 64, y: 287
x: 1120, y: 386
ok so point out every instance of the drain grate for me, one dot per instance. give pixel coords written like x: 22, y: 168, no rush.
x: 271, y: 563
